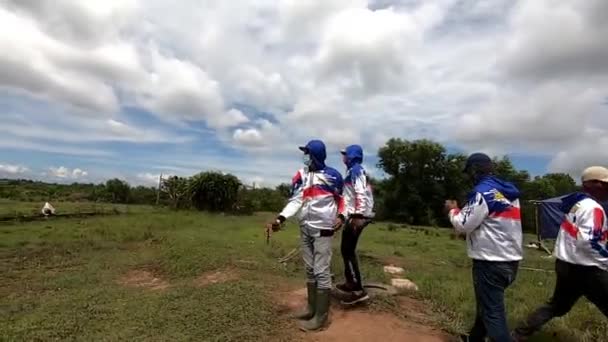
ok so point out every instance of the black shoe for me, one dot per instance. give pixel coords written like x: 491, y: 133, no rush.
x: 356, y: 297
x: 345, y: 287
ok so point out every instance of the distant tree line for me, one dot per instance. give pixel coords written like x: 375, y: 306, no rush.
x: 209, y: 191
x: 420, y: 175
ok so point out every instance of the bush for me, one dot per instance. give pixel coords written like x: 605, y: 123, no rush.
x: 214, y: 191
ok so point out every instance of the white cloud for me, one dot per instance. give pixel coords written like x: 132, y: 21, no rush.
x: 306, y: 20
x: 147, y: 178
x: 549, y: 92
x: 591, y: 150
x: 368, y: 50
x: 12, y: 143
x: 582, y: 47
x: 550, y: 116
x: 30, y: 67
x: 66, y: 173
x: 78, y: 173
x: 12, y: 170
x: 248, y: 137
x: 45, y: 126
x: 475, y: 74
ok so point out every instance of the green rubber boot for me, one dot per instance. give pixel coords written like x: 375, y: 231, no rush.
x: 309, y: 312
x: 320, y: 319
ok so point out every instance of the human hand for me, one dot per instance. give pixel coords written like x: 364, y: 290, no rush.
x: 273, y: 226
x: 338, y: 223
x: 450, y: 205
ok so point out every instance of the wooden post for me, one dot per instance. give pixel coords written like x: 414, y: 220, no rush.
x: 160, y: 180
x: 536, y: 221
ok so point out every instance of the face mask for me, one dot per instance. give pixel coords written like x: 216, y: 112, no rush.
x: 307, y: 160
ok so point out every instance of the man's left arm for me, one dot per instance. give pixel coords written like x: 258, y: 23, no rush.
x: 339, y: 198
x: 360, y: 187
x: 594, y: 221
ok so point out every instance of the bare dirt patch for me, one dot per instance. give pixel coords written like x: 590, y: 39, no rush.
x: 143, y: 279
x: 216, y: 277
x: 415, y: 310
x: 362, y: 325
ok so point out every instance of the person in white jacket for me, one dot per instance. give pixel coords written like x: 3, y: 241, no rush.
x: 358, y: 211
x: 581, y: 254
x: 491, y: 220
x: 317, y: 199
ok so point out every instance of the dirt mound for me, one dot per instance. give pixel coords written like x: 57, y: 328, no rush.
x: 360, y: 325
x: 215, y: 277
x: 143, y: 279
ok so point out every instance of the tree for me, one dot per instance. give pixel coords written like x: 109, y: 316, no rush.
x: 176, y: 189
x: 118, y: 190
x: 561, y: 182
x: 284, y: 190
x: 214, y: 191
x: 504, y: 169
x: 457, y: 183
x: 415, y: 191
x: 143, y: 195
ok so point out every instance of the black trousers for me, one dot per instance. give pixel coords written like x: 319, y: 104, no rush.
x: 573, y: 282
x: 348, y: 247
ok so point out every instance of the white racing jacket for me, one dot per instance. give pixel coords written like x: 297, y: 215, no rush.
x: 358, y: 195
x: 583, y: 234
x: 491, y: 220
x: 316, y: 198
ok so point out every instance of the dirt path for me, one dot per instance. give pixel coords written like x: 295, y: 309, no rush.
x: 363, y: 325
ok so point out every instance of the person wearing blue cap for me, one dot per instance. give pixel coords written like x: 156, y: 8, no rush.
x: 358, y: 210
x: 491, y: 220
x: 316, y: 197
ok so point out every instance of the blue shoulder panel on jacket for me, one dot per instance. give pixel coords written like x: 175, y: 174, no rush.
x: 334, y: 179
x: 496, y: 201
x: 353, y: 173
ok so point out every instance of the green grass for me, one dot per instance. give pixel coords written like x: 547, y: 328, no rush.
x: 59, y: 279
x: 9, y: 208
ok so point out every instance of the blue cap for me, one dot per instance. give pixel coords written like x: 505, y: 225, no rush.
x: 480, y: 159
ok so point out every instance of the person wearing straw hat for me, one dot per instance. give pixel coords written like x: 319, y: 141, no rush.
x: 581, y: 254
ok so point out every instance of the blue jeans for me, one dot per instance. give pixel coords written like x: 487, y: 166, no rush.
x: 491, y: 279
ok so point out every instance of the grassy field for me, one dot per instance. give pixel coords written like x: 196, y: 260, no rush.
x: 10, y: 209
x: 68, y: 279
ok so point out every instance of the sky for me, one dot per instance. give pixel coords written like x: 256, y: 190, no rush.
x: 92, y: 90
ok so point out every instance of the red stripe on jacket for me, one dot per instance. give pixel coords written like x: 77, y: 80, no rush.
x: 598, y: 220
x: 512, y: 213
x: 316, y: 192
x: 570, y: 228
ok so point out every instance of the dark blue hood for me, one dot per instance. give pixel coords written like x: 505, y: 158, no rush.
x: 570, y: 200
x: 316, y: 149
x: 354, y: 155
x: 508, y: 189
